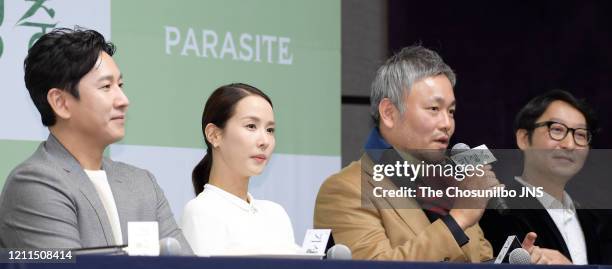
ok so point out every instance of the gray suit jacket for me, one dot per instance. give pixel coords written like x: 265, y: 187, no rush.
x: 49, y: 202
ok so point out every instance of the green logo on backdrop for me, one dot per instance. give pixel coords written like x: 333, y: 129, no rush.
x: 43, y: 26
x: 26, y: 21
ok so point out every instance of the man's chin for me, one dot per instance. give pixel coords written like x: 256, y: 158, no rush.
x: 565, y: 171
x: 430, y: 155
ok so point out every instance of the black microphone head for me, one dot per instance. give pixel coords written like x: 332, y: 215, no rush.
x: 339, y: 252
x: 169, y: 246
x: 519, y: 256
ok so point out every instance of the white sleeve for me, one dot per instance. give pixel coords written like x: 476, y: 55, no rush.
x: 205, y: 232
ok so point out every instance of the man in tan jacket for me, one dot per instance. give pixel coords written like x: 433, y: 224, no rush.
x: 413, y: 105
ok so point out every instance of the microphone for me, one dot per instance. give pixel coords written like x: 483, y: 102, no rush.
x: 511, y: 244
x: 462, y: 154
x: 339, y: 252
x: 169, y: 246
x: 459, y: 148
x: 520, y: 256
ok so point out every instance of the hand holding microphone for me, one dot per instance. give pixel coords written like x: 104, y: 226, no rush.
x: 462, y: 154
x: 467, y: 211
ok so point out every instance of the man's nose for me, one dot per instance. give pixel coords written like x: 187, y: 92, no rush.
x: 121, y: 99
x: 568, y: 142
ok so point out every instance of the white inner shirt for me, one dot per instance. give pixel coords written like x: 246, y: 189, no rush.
x: 100, y: 181
x: 566, y: 219
x: 217, y: 222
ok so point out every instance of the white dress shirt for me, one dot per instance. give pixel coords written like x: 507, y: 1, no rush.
x: 100, y: 182
x: 217, y: 222
x: 566, y: 219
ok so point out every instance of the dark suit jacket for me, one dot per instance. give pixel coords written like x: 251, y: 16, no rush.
x: 528, y: 215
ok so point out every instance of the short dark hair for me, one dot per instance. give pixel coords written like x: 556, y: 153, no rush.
x: 59, y: 59
x: 529, y: 114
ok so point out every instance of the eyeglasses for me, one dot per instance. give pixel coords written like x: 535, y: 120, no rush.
x: 558, y: 131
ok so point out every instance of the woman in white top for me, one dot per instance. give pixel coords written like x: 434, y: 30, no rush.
x: 224, y: 219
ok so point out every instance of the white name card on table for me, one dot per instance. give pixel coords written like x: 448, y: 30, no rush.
x: 143, y: 238
x: 315, y: 241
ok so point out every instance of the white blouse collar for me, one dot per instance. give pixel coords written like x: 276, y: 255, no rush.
x: 244, y: 205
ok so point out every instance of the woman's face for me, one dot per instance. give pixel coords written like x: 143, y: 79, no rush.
x: 247, y: 141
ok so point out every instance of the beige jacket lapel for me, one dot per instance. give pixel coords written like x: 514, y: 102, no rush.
x: 404, y: 207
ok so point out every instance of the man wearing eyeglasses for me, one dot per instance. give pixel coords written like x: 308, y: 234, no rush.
x: 554, y: 132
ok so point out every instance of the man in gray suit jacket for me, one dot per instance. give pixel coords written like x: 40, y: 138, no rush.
x: 67, y: 194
